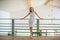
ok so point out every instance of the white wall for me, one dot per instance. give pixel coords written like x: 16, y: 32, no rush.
x: 4, y: 14
x: 18, y: 8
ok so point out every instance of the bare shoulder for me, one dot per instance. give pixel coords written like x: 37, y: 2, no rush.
x: 34, y: 12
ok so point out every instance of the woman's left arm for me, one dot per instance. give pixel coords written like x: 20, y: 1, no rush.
x: 38, y: 15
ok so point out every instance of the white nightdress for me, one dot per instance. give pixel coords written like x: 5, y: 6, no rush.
x: 31, y: 20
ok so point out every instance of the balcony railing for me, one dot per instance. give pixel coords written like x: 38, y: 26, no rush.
x: 20, y: 27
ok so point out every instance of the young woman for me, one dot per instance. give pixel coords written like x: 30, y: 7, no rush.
x: 32, y: 14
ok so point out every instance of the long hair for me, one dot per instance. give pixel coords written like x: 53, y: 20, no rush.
x: 31, y: 9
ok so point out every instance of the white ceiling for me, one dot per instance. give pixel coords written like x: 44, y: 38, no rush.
x: 18, y: 8
x: 41, y: 2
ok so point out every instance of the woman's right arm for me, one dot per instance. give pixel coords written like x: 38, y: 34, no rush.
x: 26, y: 15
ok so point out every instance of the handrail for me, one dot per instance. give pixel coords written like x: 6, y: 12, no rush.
x: 24, y: 19
x: 26, y: 25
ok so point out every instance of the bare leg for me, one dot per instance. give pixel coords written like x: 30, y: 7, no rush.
x: 31, y: 33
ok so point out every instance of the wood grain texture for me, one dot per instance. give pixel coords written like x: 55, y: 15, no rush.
x: 46, y: 3
x: 28, y: 38
x: 29, y: 3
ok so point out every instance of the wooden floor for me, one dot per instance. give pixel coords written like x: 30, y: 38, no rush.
x: 28, y: 38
